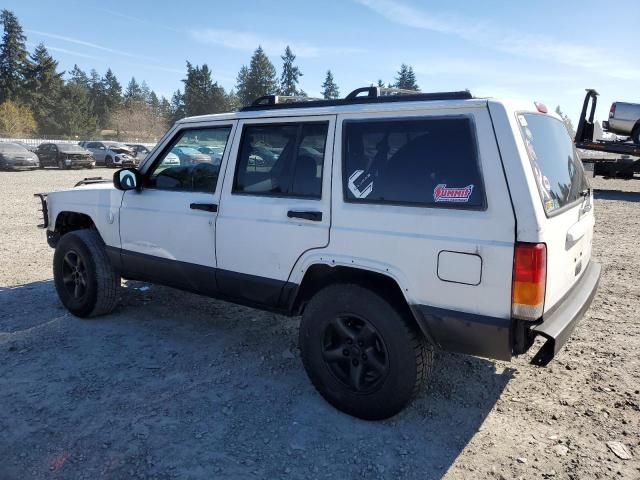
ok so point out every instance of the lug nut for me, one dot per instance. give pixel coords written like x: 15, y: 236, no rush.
x: 355, y: 362
x: 345, y: 352
x: 364, y: 356
x: 349, y: 341
x: 360, y: 343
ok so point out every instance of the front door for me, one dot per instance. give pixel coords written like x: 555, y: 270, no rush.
x: 275, y: 204
x: 167, y: 230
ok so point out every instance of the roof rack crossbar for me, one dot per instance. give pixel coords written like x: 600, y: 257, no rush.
x: 358, y: 96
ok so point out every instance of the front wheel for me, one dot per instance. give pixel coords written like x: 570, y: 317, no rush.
x: 362, y: 354
x: 635, y: 135
x: 108, y: 162
x: 85, y: 280
x: 62, y: 165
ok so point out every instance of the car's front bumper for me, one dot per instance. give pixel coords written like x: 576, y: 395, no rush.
x: 558, y: 324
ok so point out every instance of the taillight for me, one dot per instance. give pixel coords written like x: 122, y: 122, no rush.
x: 529, y: 280
x: 612, y: 110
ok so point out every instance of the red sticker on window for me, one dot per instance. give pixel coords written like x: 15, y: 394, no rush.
x: 442, y: 193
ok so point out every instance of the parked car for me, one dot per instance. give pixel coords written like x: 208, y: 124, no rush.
x: 112, y: 154
x: 393, y: 224
x: 14, y: 156
x: 190, y: 155
x: 140, y: 151
x: 30, y: 147
x: 64, y: 155
x: 624, y: 119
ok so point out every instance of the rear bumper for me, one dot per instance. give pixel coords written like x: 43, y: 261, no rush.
x: 500, y: 338
x: 558, y: 324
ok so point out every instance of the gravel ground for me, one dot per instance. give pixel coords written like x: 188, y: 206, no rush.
x: 173, y: 385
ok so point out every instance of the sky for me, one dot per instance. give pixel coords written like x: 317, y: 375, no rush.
x: 545, y: 50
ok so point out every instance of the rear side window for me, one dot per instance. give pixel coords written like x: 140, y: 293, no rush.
x: 555, y: 163
x: 281, y: 160
x: 424, y: 162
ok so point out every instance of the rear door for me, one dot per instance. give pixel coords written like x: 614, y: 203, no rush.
x: 567, y: 225
x: 275, y: 204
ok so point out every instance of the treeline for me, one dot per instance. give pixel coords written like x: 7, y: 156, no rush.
x: 37, y: 98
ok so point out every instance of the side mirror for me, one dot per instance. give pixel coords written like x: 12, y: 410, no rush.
x: 127, y: 179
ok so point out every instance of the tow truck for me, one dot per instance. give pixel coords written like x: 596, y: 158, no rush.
x: 623, y: 166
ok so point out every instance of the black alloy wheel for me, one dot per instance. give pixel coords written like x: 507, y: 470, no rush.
x: 355, y: 353
x: 74, y: 275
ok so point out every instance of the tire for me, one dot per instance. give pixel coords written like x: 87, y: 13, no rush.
x: 635, y: 135
x: 62, y: 165
x: 85, y: 280
x: 108, y: 162
x: 361, y: 353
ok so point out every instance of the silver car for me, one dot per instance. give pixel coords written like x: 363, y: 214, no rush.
x: 624, y: 119
x: 15, y: 157
x: 112, y: 154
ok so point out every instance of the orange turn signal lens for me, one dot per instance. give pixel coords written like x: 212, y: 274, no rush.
x: 529, y: 280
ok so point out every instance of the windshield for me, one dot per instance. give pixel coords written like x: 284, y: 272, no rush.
x: 68, y: 147
x: 11, y: 147
x: 554, y: 160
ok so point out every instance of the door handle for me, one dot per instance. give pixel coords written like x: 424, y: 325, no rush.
x: 313, y: 216
x: 207, y: 207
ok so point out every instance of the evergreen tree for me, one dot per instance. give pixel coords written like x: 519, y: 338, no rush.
x: 406, y: 79
x: 145, y: 92
x: 201, y: 94
x: 98, y: 98
x: 79, y: 78
x: 329, y: 88
x: 259, y: 79
x: 290, y: 74
x: 176, y: 107
x: 133, y: 94
x: 13, y: 57
x: 75, y: 116
x: 112, y: 94
x: 242, y: 92
x: 165, y: 108
x: 380, y: 83
x: 42, y: 89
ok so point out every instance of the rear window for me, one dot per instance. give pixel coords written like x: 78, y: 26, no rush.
x: 421, y: 162
x: 554, y: 160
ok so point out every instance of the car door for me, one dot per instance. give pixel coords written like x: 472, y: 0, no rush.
x: 167, y: 229
x: 43, y: 154
x: 275, y: 204
x: 98, y: 150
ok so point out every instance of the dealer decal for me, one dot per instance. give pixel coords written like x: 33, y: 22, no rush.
x: 442, y: 193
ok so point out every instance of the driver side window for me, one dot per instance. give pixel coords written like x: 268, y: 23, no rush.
x: 184, y: 167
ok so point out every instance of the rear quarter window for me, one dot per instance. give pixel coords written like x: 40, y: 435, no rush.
x: 555, y: 163
x: 430, y: 162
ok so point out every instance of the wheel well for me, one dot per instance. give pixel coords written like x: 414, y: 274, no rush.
x: 320, y: 275
x: 68, y: 222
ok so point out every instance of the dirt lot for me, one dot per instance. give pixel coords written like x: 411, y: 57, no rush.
x: 172, y: 385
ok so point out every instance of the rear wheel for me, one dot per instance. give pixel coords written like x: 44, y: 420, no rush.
x: 635, y: 135
x: 362, y: 354
x: 85, y: 280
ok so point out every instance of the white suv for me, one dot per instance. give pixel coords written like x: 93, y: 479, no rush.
x: 394, y: 224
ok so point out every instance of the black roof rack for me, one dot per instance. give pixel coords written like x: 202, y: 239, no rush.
x: 372, y: 95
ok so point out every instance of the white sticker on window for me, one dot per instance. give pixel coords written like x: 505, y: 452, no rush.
x: 360, y: 184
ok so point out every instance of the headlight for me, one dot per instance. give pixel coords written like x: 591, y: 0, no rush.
x: 67, y: 161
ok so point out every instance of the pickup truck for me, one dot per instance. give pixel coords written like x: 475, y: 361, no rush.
x: 624, y: 119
